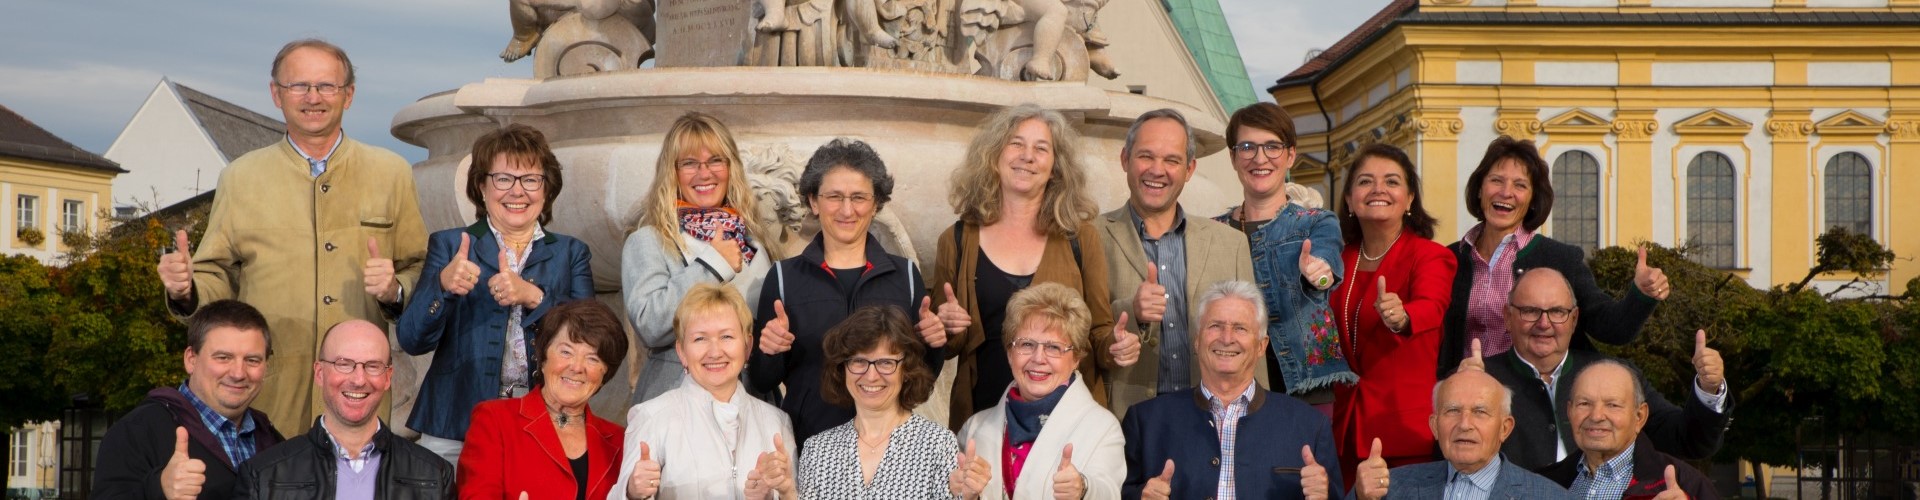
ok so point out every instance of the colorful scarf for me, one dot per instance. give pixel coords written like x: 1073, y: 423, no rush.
x: 709, y: 223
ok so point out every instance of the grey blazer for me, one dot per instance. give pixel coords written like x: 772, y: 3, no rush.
x: 1429, y: 480
x: 654, y: 281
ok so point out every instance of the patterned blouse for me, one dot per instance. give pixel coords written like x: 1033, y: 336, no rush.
x: 918, y: 460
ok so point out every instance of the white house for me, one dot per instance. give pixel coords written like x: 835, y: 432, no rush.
x: 178, y: 142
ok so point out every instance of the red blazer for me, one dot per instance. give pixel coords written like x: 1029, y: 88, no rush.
x: 1395, y: 394
x: 513, y: 447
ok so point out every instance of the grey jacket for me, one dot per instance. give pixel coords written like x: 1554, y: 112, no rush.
x: 1429, y: 480
x: 654, y: 281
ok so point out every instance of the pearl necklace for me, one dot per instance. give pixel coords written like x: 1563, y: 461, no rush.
x: 1383, y: 253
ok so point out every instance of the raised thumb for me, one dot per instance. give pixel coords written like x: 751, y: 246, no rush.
x: 1153, y: 273
x: 1167, y: 473
x: 1673, y: 482
x: 461, y: 254
x: 1376, y: 450
x: 180, y: 241
x: 1381, y: 286
x: 1066, y: 456
x: 1306, y: 250
x: 926, y: 305
x: 1699, y: 342
x: 645, y: 452
x: 1306, y: 455
x: 779, y: 310
x: 373, y: 248
x: 523, y: 495
x: 180, y: 443
x: 1642, y: 264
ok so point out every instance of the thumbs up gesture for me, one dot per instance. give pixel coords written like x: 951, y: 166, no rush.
x: 1313, y: 477
x: 970, y: 474
x: 1314, y: 269
x: 645, y: 480
x: 1710, y: 371
x: 1651, y: 280
x: 460, y: 274
x: 509, y: 290
x: 1159, y: 487
x: 1393, y: 313
x: 1475, y: 362
x: 1150, y: 300
x: 775, y: 338
x: 774, y: 473
x: 378, y: 275
x: 183, y: 476
x: 953, y: 315
x: 1068, y: 484
x: 1673, y: 491
x: 1126, y: 345
x: 1373, y: 475
x: 176, y: 268
x: 931, y: 329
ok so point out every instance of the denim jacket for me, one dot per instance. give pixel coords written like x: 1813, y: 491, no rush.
x: 1299, y: 320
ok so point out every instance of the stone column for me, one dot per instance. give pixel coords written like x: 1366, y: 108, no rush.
x: 1792, y: 186
x: 1903, y: 178
x: 1439, y: 132
x: 1633, y: 216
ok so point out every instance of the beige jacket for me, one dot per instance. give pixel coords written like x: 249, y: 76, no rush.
x: 294, y: 246
x: 1215, y: 253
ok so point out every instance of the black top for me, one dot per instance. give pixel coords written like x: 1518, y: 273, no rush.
x: 138, y: 446
x: 995, y: 287
x: 580, y: 474
x: 1540, y: 419
x: 1602, y: 318
x: 848, y: 278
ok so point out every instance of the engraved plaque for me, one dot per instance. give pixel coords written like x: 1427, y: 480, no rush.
x: 704, y: 32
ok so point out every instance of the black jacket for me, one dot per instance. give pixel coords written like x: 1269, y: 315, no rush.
x: 137, y: 448
x: 304, y: 468
x: 1649, y: 474
x: 1692, y: 432
x: 1602, y: 318
x: 814, y: 304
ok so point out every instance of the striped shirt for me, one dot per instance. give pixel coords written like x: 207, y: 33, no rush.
x: 1226, y: 422
x: 236, y: 438
x: 1607, y: 482
x: 1477, y: 485
x: 1492, y: 281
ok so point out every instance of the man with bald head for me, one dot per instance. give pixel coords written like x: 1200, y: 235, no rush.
x: 1609, y: 407
x: 1471, y: 418
x: 1541, y: 317
x: 349, y: 453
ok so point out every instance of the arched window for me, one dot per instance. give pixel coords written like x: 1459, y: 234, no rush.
x: 1576, y: 200
x: 1712, y: 209
x: 1849, y: 186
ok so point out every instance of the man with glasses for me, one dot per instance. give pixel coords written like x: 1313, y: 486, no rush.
x: 1541, y: 317
x: 1229, y: 437
x: 1159, y: 256
x: 313, y: 230
x: 349, y: 453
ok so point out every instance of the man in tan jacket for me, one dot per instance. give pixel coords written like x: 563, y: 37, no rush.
x: 313, y: 231
x: 1159, y: 257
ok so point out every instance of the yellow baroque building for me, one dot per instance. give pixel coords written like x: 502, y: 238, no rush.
x: 49, y: 188
x: 1745, y: 127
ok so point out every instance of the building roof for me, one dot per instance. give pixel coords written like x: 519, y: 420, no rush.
x: 234, y: 130
x: 1407, y: 12
x: 21, y: 138
x: 1203, y: 26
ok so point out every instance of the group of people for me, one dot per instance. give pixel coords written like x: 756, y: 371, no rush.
x: 1278, y: 350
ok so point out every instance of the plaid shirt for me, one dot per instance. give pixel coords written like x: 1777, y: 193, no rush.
x: 237, y: 439
x: 1607, y: 482
x: 1226, y: 422
x: 1492, y: 280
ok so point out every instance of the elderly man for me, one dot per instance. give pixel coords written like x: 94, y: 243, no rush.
x: 1608, y: 405
x: 1472, y: 415
x: 1159, y: 256
x: 349, y: 453
x: 188, y: 441
x: 313, y: 230
x: 1541, y: 316
x: 1186, y: 444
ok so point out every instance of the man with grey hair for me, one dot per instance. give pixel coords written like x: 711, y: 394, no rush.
x: 1472, y: 416
x: 1608, y: 402
x: 1186, y: 444
x: 1159, y: 256
x: 1542, y: 316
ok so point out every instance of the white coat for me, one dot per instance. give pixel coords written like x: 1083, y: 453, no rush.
x: 683, y: 436
x: 1098, y: 447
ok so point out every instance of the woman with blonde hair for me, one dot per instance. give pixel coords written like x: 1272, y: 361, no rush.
x: 697, y: 225
x: 1021, y: 196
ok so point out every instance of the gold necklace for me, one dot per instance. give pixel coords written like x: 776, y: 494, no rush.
x: 1383, y: 253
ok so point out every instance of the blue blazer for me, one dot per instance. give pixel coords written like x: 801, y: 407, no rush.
x: 1179, y: 426
x: 1429, y: 480
x: 467, y: 333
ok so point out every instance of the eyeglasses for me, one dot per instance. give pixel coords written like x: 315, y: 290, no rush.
x: 859, y: 366
x: 1555, y: 315
x: 1245, y: 150
x: 837, y: 199
x: 304, y: 88
x: 344, y: 366
x: 530, y: 182
x: 715, y: 163
x: 1026, y: 347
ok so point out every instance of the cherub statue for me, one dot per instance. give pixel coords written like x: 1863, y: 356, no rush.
x: 1034, y: 34
x: 531, y: 18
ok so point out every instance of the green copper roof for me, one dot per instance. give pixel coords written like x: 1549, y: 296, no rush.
x: 1204, y: 28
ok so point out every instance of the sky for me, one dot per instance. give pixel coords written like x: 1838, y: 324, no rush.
x: 81, y: 68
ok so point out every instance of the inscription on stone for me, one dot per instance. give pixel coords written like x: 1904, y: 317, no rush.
x: 704, y: 32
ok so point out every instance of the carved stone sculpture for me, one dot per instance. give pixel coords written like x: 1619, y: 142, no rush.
x: 803, y: 36
x: 1037, y: 40
x: 570, y: 37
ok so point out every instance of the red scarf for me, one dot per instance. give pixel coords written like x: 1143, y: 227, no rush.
x: 709, y: 223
